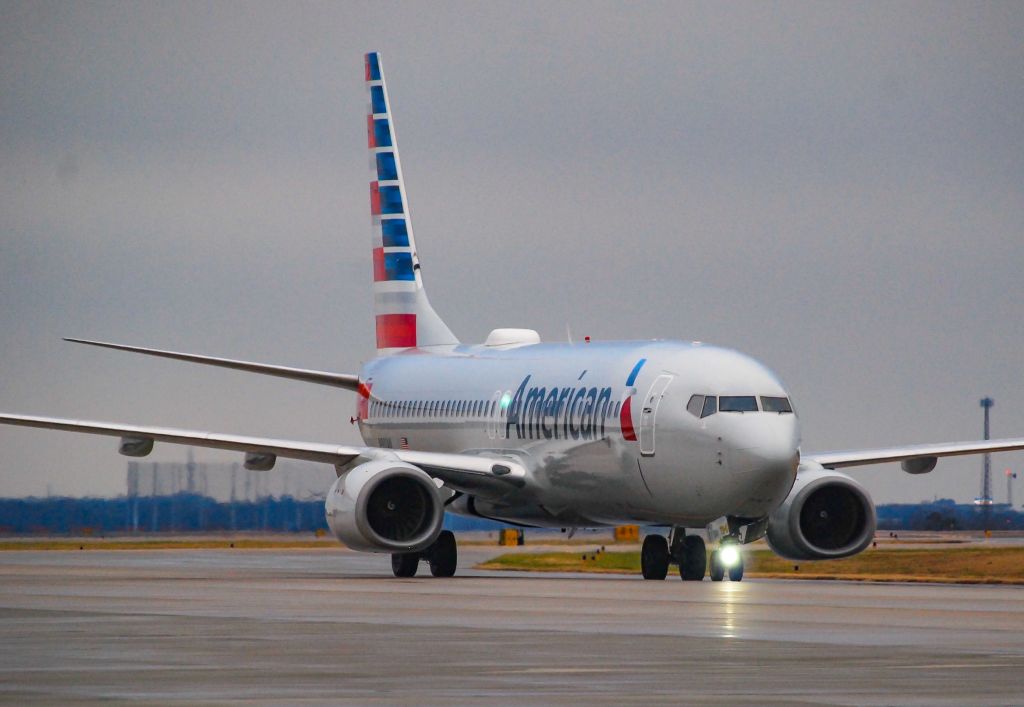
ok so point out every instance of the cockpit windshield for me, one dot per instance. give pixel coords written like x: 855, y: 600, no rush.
x: 695, y: 405
x: 706, y: 405
x: 737, y: 403
x: 710, y: 406
x: 779, y: 405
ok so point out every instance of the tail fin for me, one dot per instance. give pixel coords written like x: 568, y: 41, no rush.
x: 405, y: 318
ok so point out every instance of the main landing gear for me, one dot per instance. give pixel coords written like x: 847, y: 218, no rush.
x: 692, y: 558
x: 654, y: 557
x: 443, y: 557
x: 685, y: 550
x: 689, y: 553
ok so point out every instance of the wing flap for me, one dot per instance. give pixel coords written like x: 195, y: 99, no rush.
x: 836, y: 460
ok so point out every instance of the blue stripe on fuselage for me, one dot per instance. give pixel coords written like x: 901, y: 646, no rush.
x: 636, y: 371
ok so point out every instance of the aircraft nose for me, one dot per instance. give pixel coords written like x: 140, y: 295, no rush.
x: 782, y: 456
x: 763, y: 469
x: 766, y: 446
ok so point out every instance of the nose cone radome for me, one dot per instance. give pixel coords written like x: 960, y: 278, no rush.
x: 764, y: 457
x: 764, y: 441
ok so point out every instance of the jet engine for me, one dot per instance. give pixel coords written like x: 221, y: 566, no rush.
x: 827, y: 515
x: 385, y: 506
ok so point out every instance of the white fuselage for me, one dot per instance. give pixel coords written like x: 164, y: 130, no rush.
x: 608, y: 439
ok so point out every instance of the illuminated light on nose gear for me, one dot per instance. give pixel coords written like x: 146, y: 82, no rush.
x: 729, y: 555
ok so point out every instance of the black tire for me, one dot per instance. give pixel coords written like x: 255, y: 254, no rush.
x: 717, y: 570
x: 444, y: 555
x: 405, y: 564
x: 694, y: 560
x: 736, y: 571
x: 654, y: 557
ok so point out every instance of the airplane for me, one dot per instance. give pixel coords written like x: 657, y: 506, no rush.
x: 686, y: 436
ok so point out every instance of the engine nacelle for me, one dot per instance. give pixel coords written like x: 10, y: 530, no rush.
x: 385, y: 506
x: 827, y: 515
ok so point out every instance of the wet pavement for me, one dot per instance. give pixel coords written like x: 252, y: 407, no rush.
x: 329, y: 625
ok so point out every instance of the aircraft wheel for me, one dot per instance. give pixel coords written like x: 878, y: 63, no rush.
x: 444, y: 555
x: 736, y: 571
x: 694, y: 560
x: 654, y: 557
x: 405, y: 564
x: 717, y: 568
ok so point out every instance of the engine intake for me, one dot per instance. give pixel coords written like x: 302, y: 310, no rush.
x: 827, y: 515
x: 385, y: 506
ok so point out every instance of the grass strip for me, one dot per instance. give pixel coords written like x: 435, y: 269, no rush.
x: 960, y: 565
x: 167, y: 544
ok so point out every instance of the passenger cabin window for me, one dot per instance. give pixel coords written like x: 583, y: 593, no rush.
x: 695, y: 405
x: 779, y: 405
x: 710, y: 406
x: 737, y: 403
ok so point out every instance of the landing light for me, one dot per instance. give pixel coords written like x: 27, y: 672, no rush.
x: 729, y: 555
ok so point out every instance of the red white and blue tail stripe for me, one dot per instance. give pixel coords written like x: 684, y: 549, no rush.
x: 404, y: 316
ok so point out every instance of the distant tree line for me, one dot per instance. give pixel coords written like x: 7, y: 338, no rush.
x: 180, y: 513
x: 946, y: 514
x: 190, y: 513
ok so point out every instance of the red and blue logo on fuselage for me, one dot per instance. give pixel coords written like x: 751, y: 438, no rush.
x: 626, y: 414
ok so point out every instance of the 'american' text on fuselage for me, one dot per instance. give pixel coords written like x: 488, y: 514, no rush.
x: 558, y: 413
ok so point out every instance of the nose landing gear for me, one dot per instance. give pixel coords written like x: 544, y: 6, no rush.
x: 727, y: 559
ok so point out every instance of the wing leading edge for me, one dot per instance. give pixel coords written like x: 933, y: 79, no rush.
x: 338, y: 380
x: 836, y: 460
x: 487, y: 474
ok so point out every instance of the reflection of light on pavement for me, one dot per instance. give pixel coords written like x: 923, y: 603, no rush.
x: 731, y: 595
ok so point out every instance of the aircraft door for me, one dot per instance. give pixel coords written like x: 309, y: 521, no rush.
x: 649, y: 412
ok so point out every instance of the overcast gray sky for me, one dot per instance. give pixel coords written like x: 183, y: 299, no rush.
x: 834, y: 188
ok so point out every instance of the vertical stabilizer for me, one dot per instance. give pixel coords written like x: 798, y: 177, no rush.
x: 404, y: 316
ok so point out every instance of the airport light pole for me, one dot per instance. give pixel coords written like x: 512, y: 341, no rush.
x: 986, y: 469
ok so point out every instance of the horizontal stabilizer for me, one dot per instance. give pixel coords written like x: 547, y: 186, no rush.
x: 338, y: 380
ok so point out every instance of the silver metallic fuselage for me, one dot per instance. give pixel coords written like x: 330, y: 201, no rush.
x: 558, y: 408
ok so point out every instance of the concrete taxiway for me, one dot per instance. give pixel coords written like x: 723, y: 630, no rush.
x: 281, y: 626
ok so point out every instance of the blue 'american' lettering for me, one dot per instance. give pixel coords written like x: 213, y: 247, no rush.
x: 539, y: 412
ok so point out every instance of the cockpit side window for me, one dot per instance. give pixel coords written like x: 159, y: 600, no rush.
x: 710, y: 406
x: 737, y: 403
x: 780, y: 405
x: 695, y: 405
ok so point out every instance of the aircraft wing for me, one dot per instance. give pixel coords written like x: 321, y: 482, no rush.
x: 338, y: 380
x: 924, y: 452
x: 481, y: 474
